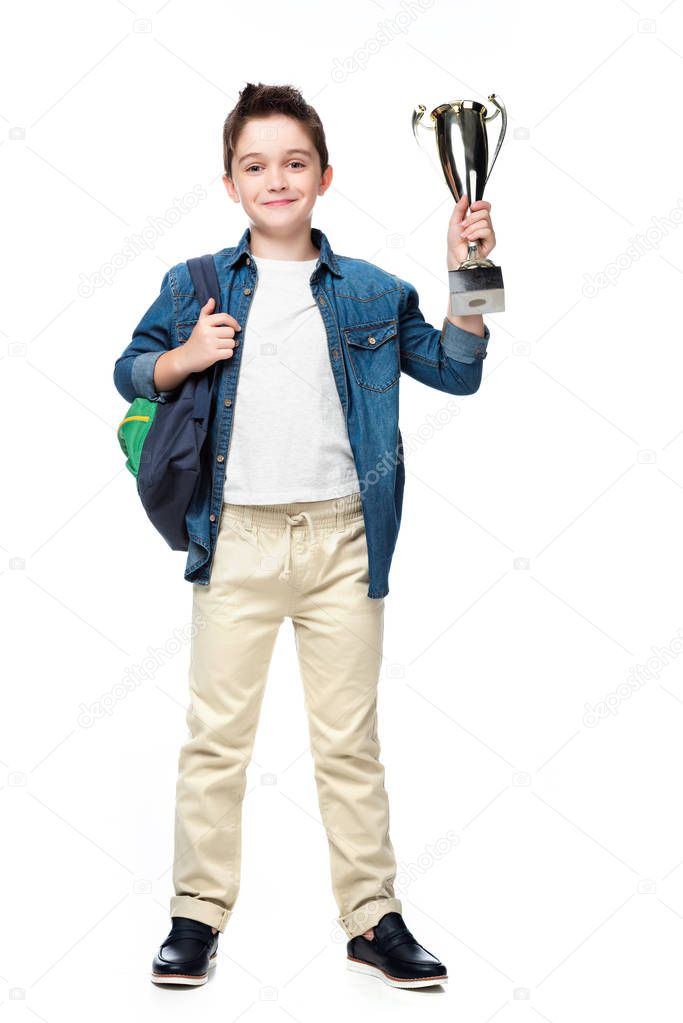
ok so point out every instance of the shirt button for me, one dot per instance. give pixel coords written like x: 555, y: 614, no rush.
x: 228, y: 402
x: 248, y: 261
x: 220, y: 458
x: 236, y: 342
x: 371, y: 339
x: 247, y: 291
x: 212, y: 517
x: 322, y: 300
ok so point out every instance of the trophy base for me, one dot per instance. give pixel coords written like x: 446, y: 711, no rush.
x: 475, y: 291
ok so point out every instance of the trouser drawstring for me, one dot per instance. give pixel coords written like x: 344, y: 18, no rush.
x: 293, y: 520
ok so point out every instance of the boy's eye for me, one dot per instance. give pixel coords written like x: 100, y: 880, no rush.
x: 258, y: 164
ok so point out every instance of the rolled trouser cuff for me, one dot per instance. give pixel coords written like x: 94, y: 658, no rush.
x: 369, y: 914
x: 200, y: 909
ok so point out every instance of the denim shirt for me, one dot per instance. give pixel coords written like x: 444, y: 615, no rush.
x: 375, y: 331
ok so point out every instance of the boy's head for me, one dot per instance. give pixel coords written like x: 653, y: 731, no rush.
x: 267, y: 121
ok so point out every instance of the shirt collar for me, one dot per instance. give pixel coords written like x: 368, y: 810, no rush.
x: 318, y: 238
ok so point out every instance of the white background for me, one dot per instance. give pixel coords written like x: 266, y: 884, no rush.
x: 540, y: 850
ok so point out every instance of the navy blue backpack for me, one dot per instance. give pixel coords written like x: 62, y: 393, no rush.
x: 164, y: 441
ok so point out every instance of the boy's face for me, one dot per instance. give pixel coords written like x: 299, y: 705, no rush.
x: 275, y: 173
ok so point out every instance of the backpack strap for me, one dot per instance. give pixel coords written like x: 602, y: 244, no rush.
x: 205, y: 280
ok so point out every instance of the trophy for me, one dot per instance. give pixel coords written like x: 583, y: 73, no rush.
x: 476, y: 286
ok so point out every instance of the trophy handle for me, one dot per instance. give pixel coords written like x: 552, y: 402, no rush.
x: 503, y: 128
x: 418, y: 114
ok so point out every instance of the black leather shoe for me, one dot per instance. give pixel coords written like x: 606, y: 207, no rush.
x: 394, y: 956
x: 187, y: 954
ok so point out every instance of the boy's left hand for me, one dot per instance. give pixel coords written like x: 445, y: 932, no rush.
x: 475, y: 226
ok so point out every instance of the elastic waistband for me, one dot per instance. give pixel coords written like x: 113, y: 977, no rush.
x: 333, y: 513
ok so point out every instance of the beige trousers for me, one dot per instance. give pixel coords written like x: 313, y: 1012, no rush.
x: 306, y: 561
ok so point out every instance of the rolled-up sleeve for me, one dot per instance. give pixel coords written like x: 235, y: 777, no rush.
x: 134, y: 368
x: 463, y: 345
x: 449, y: 359
x: 142, y: 376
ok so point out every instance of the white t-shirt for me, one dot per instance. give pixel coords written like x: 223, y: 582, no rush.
x: 289, y: 440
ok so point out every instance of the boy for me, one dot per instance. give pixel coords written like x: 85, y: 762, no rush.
x: 303, y: 525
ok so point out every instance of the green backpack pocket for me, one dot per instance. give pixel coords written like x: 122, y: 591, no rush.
x: 133, y: 430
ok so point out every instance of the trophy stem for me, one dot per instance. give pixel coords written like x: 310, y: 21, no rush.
x: 471, y: 260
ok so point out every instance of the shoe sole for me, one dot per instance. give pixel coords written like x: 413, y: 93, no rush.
x: 357, y: 966
x: 186, y: 979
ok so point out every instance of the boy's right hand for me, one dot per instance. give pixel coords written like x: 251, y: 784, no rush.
x: 212, y: 339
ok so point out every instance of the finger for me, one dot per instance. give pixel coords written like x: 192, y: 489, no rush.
x: 460, y: 208
x: 477, y: 224
x: 480, y: 204
x: 457, y: 216
x: 480, y: 215
x: 208, y: 306
x: 477, y: 232
x: 225, y: 345
x: 223, y: 320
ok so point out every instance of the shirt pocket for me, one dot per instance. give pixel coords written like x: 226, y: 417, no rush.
x: 374, y: 354
x: 183, y: 329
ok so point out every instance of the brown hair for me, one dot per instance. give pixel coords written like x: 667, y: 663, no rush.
x: 260, y: 101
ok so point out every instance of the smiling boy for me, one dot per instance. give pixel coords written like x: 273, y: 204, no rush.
x: 297, y: 518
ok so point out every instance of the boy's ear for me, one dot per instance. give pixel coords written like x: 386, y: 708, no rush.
x: 326, y: 179
x: 230, y: 188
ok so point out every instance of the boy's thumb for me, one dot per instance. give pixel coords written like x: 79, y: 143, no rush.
x: 205, y: 307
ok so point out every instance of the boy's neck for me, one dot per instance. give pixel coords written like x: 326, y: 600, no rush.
x: 297, y: 246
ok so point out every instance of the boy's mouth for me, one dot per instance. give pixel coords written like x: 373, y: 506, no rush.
x: 279, y: 202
